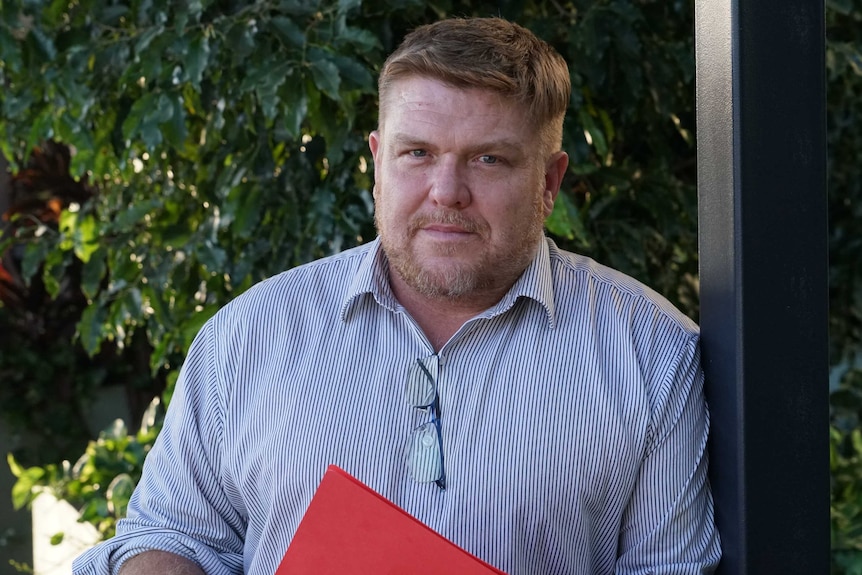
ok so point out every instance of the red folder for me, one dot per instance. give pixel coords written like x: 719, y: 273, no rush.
x: 350, y: 529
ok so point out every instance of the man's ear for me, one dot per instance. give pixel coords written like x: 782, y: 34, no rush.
x: 374, y: 143
x: 374, y: 146
x: 555, y: 170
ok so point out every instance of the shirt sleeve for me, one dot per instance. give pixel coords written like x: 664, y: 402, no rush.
x: 668, y: 526
x: 179, y: 505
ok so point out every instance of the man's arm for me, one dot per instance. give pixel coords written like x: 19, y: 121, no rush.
x: 179, y: 505
x: 160, y: 563
x: 668, y: 528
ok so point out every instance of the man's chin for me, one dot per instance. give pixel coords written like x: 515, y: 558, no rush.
x: 445, y: 282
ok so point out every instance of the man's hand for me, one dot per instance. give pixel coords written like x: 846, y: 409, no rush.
x: 160, y: 563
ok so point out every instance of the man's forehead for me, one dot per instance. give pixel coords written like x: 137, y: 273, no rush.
x: 420, y: 93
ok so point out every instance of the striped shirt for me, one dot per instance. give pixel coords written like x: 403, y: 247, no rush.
x: 573, y: 423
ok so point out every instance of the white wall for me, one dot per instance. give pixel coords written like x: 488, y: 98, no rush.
x: 50, y: 517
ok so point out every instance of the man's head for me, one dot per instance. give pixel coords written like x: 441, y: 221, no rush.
x: 492, y: 54
x: 467, y: 160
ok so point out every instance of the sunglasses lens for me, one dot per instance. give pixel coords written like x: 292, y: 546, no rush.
x: 424, y: 462
x: 419, y: 389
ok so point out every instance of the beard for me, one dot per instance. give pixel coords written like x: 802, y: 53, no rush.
x: 470, y: 270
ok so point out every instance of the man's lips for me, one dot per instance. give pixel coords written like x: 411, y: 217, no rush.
x: 444, y: 226
x: 445, y: 229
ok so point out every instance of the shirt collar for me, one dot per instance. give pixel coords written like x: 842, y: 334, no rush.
x: 372, y: 278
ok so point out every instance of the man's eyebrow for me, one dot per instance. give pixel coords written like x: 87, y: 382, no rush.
x: 498, y: 145
x: 402, y: 139
x: 489, y: 146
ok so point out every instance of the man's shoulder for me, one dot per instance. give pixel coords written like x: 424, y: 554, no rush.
x: 579, y: 278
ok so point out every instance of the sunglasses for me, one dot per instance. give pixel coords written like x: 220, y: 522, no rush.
x: 425, y: 459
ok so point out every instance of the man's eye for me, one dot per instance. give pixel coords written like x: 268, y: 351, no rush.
x: 418, y: 153
x: 487, y: 159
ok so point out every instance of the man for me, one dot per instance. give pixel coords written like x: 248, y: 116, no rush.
x: 536, y: 408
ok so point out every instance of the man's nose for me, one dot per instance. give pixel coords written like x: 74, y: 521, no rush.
x: 449, y: 185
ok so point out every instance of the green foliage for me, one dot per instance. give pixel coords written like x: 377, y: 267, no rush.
x: 844, y: 76
x: 221, y: 137
x: 20, y: 567
x: 48, y: 378
x: 42, y: 391
x: 101, y: 482
x: 844, y: 131
x: 846, y: 467
x: 227, y: 141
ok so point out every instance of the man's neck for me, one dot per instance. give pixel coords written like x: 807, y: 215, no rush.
x: 440, y: 317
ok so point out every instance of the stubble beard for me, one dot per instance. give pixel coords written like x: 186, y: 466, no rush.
x: 493, y: 272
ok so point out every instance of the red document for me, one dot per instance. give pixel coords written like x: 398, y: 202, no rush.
x: 349, y: 529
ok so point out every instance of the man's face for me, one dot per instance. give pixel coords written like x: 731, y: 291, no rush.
x: 462, y: 188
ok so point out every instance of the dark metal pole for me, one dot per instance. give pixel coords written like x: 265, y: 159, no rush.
x: 763, y: 253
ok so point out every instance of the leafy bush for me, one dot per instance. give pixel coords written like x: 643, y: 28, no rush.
x: 846, y: 466
x: 101, y: 482
x: 844, y: 130
x: 49, y: 377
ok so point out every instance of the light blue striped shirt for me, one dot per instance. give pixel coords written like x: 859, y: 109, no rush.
x: 573, y: 421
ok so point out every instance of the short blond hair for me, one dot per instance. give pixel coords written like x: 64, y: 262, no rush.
x: 490, y: 54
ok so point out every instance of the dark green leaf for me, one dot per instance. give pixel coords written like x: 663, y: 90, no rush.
x: 16, y: 105
x: 95, y: 510
x: 196, y: 60
x: 146, y: 38
x: 362, y: 39
x: 164, y: 110
x: 595, y: 137
x: 299, y: 7
x: 266, y: 76
x: 295, y: 103
x: 244, y: 206
x: 10, y: 53
x: 138, y: 112
x: 212, y: 257
x: 92, y: 273
x: 111, y: 14
x: 358, y: 74
x: 54, y: 271
x: 564, y: 219
x: 133, y: 215
x: 841, y: 6
x: 325, y: 73
x: 41, y: 128
x: 90, y: 327
x: 192, y: 326
x: 241, y: 43
x: 151, y: 133
x: 175, y: 131
x: 44, y: 43
x: 131, y: 306
x: 288, y: 31
x: 34, y: 256
x: 345, y: 6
